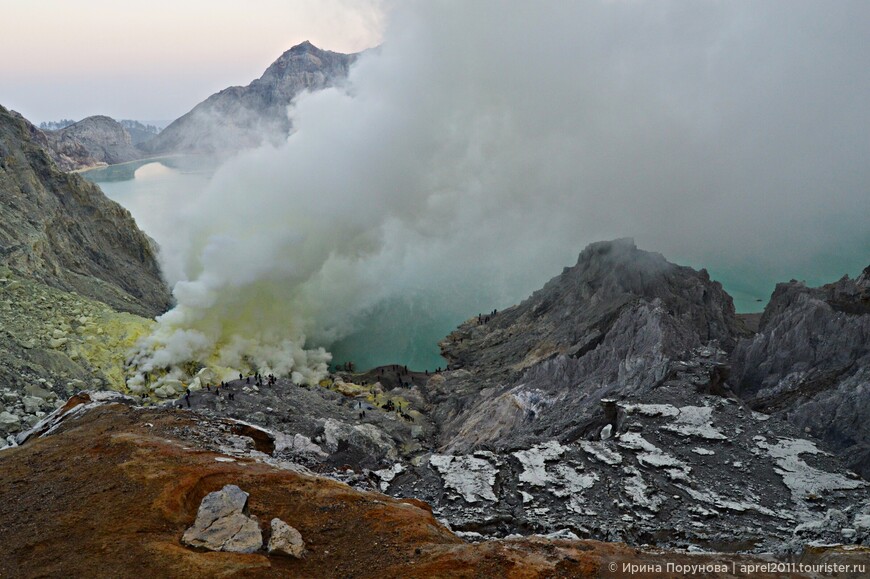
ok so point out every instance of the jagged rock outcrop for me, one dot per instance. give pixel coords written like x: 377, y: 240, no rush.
x: 92, y: 141
x: 810, y: 364
x: 62, y: 230
x: 242, y: 117
x: 616, y: 324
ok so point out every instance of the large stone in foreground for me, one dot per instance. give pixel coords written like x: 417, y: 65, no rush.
x: 223, y: 524
x: 285, y: 540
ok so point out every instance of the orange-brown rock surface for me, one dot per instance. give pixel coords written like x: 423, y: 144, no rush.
x: 111, y: 489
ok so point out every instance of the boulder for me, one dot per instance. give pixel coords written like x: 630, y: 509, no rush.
x: 223, y: 523
x: 9, y: 423
x: 285, y: 540
x: 32, y: 404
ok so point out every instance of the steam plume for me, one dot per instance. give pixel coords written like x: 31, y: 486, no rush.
x: 475, y: 152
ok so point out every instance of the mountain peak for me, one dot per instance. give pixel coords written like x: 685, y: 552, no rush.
x: 305, y: 46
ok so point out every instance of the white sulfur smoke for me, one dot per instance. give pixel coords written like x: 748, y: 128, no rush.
x: 484, y: 143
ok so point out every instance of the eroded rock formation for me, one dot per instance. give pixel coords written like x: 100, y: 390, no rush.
x: 810, y: 364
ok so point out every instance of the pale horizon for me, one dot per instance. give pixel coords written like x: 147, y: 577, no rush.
x: 154, y: 61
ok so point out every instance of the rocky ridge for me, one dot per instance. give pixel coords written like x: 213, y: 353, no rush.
x: 93, y: 141
x: 244, y: 117
x: 618, y: 323
x: 810, y: 364
x: 635, y: 438
x: 63, y: 231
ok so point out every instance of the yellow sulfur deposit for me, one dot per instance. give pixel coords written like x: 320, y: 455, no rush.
x: 106, y: 342
x: 70, y: 340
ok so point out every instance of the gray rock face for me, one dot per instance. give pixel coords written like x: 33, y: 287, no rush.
x: 613, y: 325
x: 91, y: 141
x: 223, y: 524
x: 285, y: 540
x: 810, y: 364
x: 242, y: 117
x: 63, y: 231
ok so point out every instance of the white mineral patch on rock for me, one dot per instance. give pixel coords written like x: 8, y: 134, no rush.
x: 562, y: 534
x: 471, y: 476
x: 703, y: 451
x: 714, y: 499
x: 695, y: 421
x: 534, y: 400
x: 109, y: 396
x: 571, y: 481
x: 534, y: 459
x: 650, y: 455
x: 638, y: 491
x: 802, y: 479
x: 388, y: 474
x: 602, y: 452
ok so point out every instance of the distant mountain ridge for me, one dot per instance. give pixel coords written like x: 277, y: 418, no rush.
x: 236, y: 118
x: 244, y: 117
x: 104, y: 140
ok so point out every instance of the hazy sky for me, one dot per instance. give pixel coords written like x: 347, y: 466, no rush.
x: 156, y: 59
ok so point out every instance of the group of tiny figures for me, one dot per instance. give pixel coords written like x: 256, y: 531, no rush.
x: 481, y: 319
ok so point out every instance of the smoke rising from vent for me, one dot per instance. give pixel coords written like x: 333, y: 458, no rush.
x: 477, y: 150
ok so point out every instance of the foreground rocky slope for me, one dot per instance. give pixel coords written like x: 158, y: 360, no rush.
x: 810, y: 364
x: 243, y: 117
x: 106, y: 489
x: 62, y: 230
x: 679, y: 468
